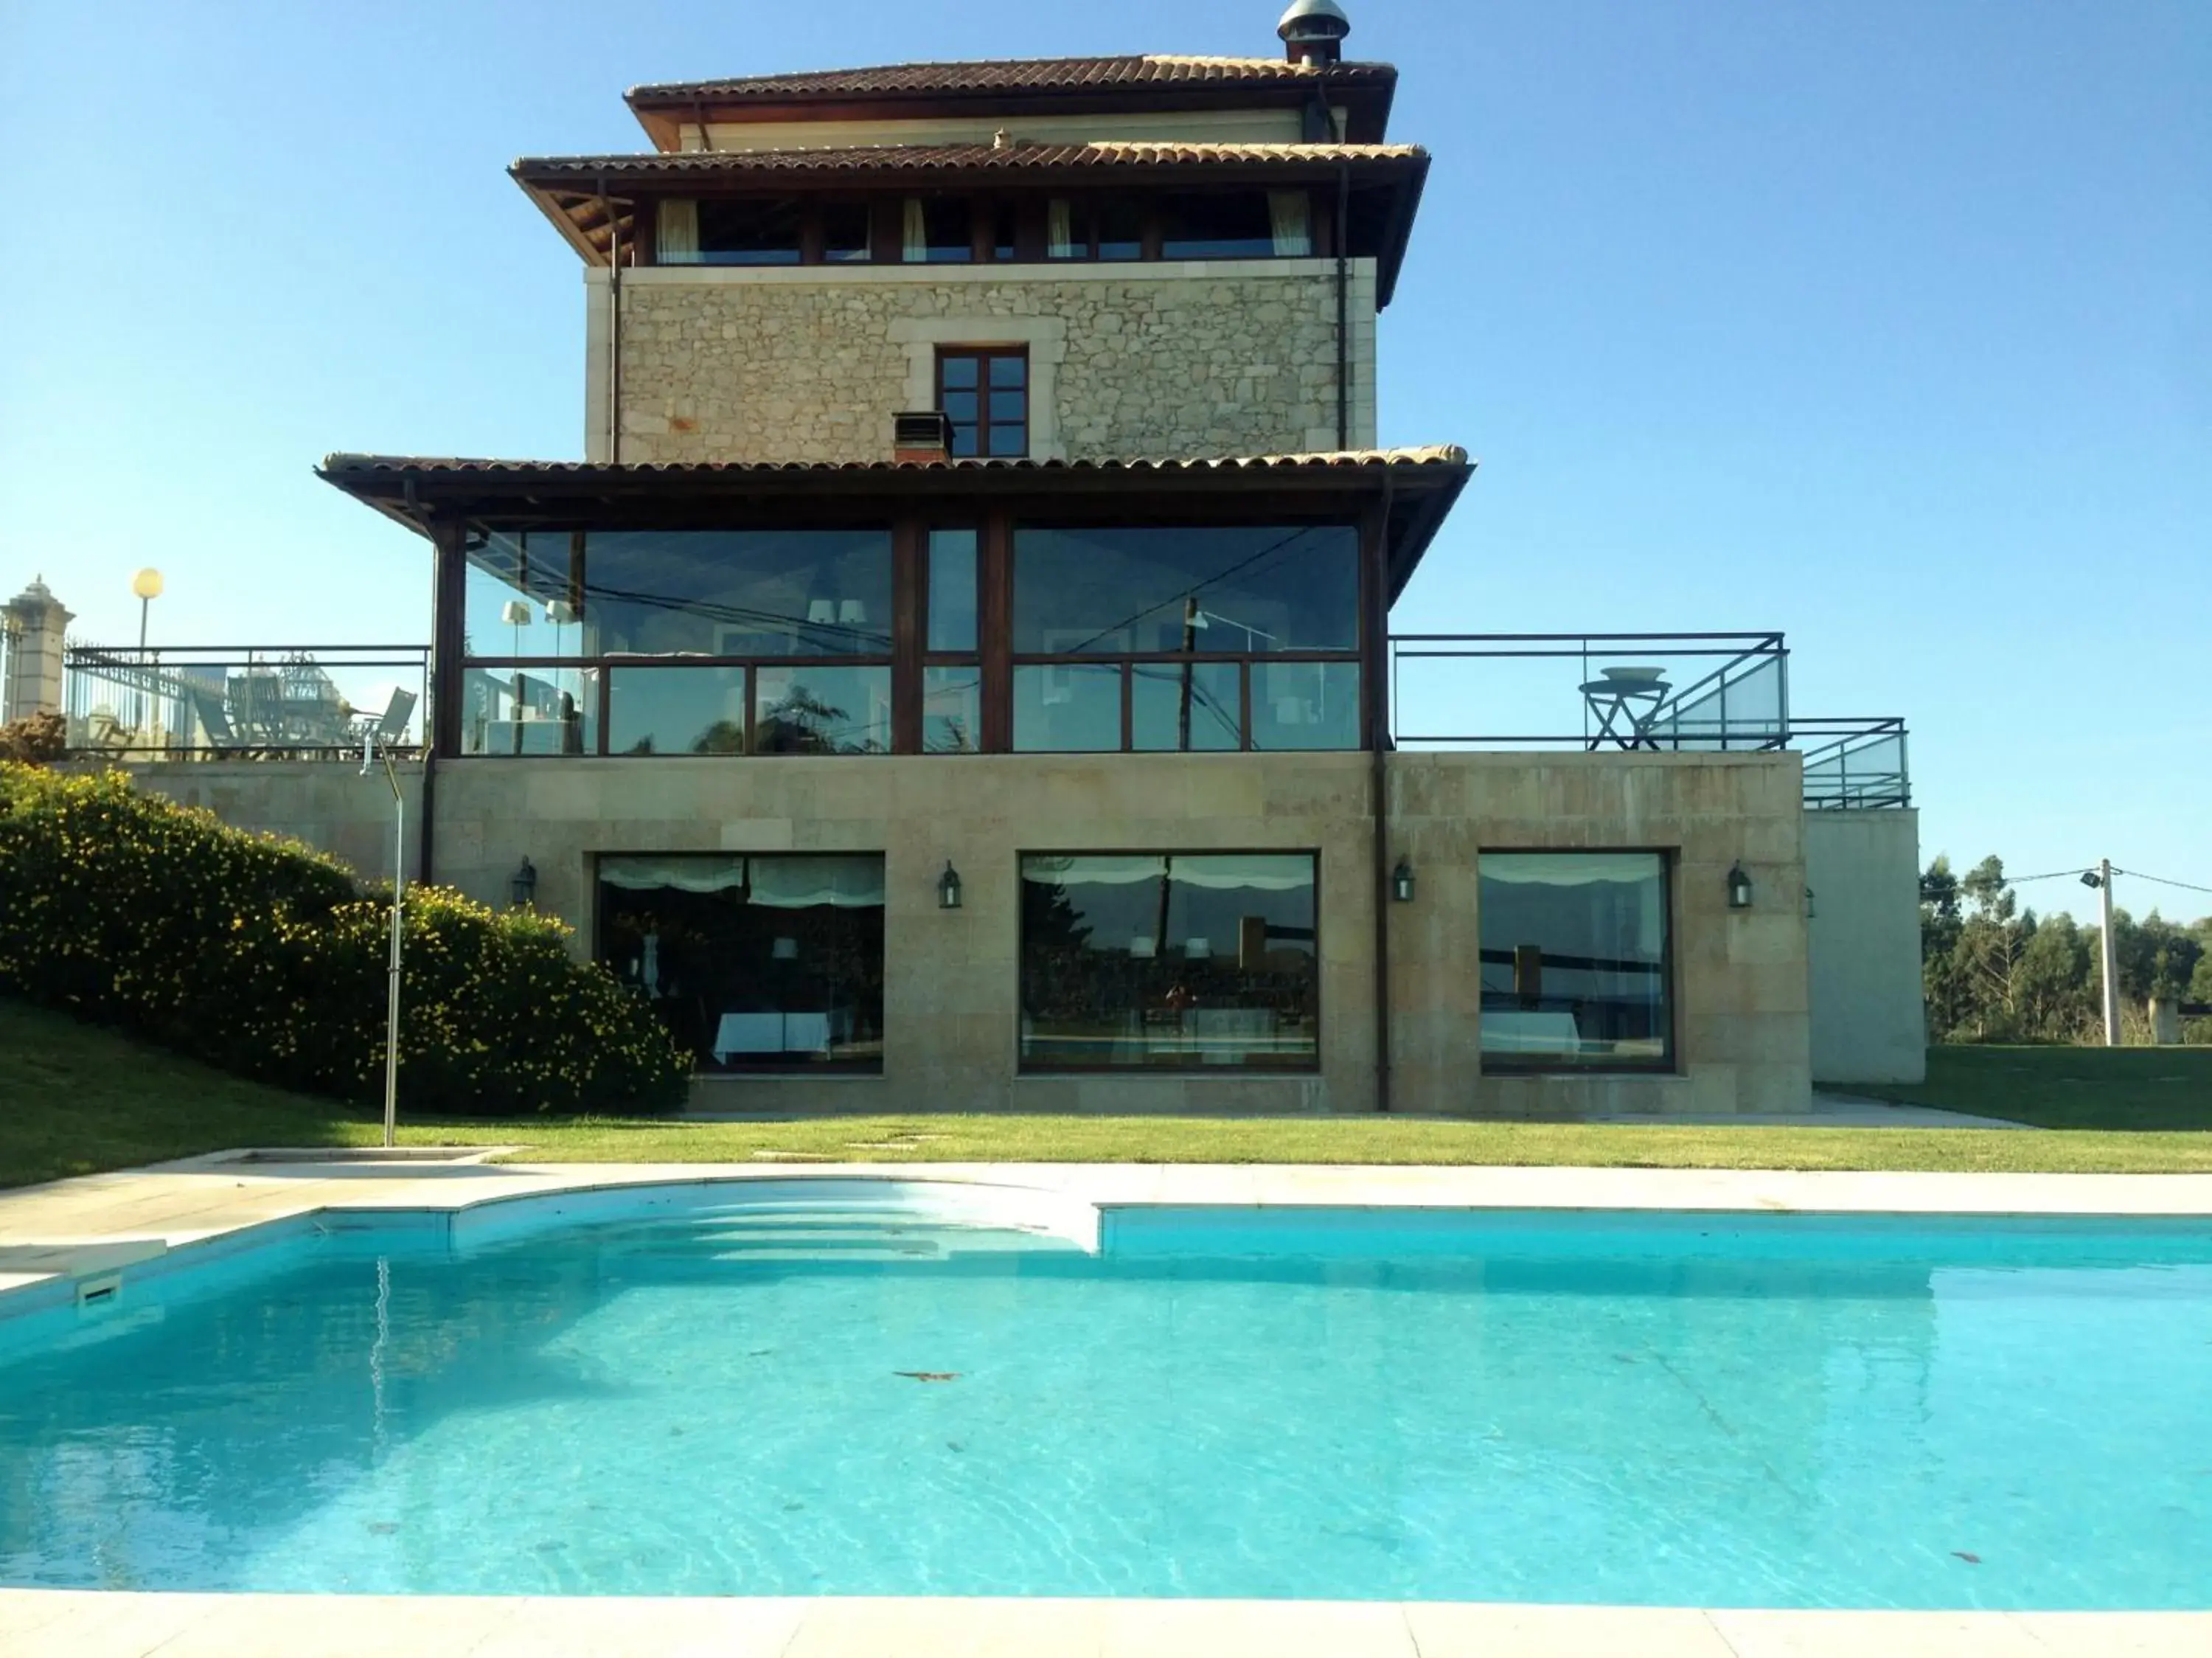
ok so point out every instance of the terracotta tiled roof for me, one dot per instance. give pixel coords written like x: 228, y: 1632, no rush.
x: 343, y: 466
x: 1014, y: 75
x: 955, y: 158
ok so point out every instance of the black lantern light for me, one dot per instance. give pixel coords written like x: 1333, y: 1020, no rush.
x: 522, y: 885
x: 948, y: 888
x: 1810, y: 911
x: 1401, y: 881
x: 1739, y: 888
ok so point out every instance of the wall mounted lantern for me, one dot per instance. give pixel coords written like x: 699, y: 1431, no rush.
x: 1739, y: 888
x: 522, y: 885
x: 1808, y: 904
x: 1401, y: 881
x: 948, y: 888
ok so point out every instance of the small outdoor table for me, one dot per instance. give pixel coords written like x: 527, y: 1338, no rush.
x: 1624, y: 699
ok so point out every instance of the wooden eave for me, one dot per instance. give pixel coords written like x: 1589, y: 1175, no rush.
x: 664, y: 112
x: 590, y: 198
x: 1417, y: 488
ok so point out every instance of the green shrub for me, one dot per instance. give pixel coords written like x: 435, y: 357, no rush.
x: 269, y: 959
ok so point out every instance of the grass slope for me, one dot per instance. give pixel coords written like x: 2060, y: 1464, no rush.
x: 76, y: 1098
x: 2067, y: 1088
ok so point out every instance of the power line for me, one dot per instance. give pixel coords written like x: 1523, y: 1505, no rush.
x: 2161, y: 880
x: 2015, y: 881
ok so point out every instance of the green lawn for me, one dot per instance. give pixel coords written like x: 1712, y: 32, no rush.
x: 2130, y: 1088
x: 75, y: 1100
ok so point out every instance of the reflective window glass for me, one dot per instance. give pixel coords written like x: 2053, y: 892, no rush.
x: 741, y: 592
x: 1229, y: 590
x: 845, y: 233
x: 952, y: 710
x: 676, y: 710
x: 1176, y: 960
x: 1185, y: 705
x: 822, y: 710
x: 530, y: 710
x: 1574, y: 950
x: 747, y: 232
x: 1233, y: 224
x: 522, y: 595
x: 951, y: 590
x: 760, y: 962
x: 1068, y: 708
x: 1305, y: 706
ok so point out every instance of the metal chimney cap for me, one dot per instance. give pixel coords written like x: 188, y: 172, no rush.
x: 1313, y: 20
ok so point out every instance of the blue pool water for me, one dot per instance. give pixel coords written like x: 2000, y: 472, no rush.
x: 1757, y: 1410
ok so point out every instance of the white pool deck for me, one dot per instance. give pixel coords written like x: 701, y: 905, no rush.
x: 81, y: 1227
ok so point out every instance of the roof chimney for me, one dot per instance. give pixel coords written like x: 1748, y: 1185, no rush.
x: 1313, y: 32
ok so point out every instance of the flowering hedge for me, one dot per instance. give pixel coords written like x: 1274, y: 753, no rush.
x: 269, y: 960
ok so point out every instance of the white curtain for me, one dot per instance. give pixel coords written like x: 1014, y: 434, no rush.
x: 685, y: 874
x: 1221, y: 872
x: 1290, y: 216
x: 801, y: 883
x: 677, y: 226
x: 916, y: 241
x: 1059, y: 228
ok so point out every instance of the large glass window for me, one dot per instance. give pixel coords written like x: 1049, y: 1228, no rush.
x: 1305, y: 706
x: 937, y: 230
x: 676, y: 710
x: 753, y: 962
x: 1218, y: 589
x: 1235, y: 224
x: 822, y: 710
x: 1172, y: 960
x: 748, y: 232
x: 533, y: 710
x: 524, y: 595
x: 739, y: 592
x: 1575, y: 965
x: 1186, y: 705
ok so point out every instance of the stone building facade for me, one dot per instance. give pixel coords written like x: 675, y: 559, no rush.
x: 1231, y: 358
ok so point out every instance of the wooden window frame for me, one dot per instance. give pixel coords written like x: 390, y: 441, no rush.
x: 983, y: 356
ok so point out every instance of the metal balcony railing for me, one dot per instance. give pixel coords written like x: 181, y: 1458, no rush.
x: 1665, y: 692
x: 244, y: 701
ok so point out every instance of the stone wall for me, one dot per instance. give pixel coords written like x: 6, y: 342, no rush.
x: 1740, y: 985
x: 951, y: 989
x: 1869, y: 1023
x: 810, y: 365
x: 328, y: 804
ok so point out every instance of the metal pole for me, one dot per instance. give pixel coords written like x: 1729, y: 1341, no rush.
x: 138, y: 715
x: 391, y: 994
x: 2112, y: 954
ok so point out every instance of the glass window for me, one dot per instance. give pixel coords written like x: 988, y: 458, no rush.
x: 951, y: 590
x: 744, y: 232
x: 845, y: 233
x: 937, y: 230
x: 676, y: 710
x: 530, y: 710
x: 1068, y: 709
x: 741, y: 592
x: 1186, y: 705
x: 1120, y: 230
x: 753, y: 962
x: 1177, y: 960
x: 523, y: 594
x: 1574, y: 960
x: 1064, y: 237
x: 822, y: 710
x: 1305, y: 706
x: 952, y: 710
x: 1233, y: 224
x: 1229, y: 590
x: 984, y: 394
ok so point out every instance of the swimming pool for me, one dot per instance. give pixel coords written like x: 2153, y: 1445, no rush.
x: 822, y: 1396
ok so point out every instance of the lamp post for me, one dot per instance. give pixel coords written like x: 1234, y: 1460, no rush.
x: 368, y: 758
x: 147, y: 584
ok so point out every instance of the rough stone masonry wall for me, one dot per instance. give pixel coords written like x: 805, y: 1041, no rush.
x: 1167, y: 362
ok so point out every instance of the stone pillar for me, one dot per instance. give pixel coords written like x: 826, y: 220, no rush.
x: 36, y: 620
x: 2164, y: 1020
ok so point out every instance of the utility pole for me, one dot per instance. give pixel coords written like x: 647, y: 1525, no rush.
x: 2111, y: 952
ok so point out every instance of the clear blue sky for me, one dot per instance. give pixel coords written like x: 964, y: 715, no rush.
x: 1882, y: 323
